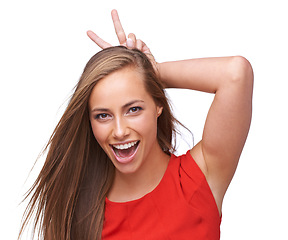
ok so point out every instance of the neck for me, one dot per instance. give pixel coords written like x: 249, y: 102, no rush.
x: 128, y: 187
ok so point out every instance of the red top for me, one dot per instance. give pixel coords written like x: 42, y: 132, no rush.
x: 181, y: 207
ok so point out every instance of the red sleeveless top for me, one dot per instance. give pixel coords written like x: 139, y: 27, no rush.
x: 181, y: 207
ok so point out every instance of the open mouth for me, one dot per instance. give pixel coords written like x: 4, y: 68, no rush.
x: 125, y: 152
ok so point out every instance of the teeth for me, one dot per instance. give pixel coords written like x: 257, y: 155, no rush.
x: 125, y: 146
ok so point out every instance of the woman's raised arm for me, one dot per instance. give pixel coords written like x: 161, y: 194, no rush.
x: 228, y: 120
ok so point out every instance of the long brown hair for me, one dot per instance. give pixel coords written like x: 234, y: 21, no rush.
x: 68, y: 197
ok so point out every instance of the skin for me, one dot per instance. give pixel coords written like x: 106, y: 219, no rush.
x: 229, y: 117
x: 123, y: 115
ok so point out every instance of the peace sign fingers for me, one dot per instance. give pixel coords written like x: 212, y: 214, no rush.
x: 118, y: 29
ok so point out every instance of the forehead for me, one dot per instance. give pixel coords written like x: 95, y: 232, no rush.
x: 119, y: 88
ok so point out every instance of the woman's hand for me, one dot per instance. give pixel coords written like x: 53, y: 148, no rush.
x: 118, y: 29
x: 130, y: 42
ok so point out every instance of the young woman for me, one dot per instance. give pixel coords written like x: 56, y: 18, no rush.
x: 110, y: 171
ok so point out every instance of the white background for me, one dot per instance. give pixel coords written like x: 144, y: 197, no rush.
x: 43, y: 51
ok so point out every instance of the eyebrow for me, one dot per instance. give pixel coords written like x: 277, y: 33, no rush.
x: 123, y: 107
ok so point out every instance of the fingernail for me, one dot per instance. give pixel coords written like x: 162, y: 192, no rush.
x: 130, y: 43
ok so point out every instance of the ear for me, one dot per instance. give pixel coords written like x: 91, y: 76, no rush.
x: 159, y: 110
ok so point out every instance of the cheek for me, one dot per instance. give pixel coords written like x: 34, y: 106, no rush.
x: 148, y: 126
x: 100, y: 133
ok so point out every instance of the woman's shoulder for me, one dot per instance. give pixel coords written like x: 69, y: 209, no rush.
x: 190, y: 164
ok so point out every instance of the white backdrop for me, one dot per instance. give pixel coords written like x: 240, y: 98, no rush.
x: 43, y: 51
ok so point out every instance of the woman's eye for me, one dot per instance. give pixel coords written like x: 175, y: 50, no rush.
x: 135, y: 109
x: 102, y: 116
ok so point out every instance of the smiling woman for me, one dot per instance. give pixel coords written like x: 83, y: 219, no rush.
x: 103, y: 124
x: 110, y: 172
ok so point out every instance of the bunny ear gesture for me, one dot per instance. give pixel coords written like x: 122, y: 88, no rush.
x: 130, y: 42
x: 118, y: 29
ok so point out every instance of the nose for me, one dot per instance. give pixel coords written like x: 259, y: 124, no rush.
x: 120, y: 129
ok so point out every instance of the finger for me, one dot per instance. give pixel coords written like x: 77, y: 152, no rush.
x: 129, y: 43
x: 99, y: 41
x: 131, y: 40
x: 148, y: 53
x: 139, y: 45
x: 118, y: 27
x: 145, y: 49
x: 132, y: 36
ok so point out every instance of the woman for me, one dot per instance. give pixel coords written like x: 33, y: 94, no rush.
x: 110, y: 171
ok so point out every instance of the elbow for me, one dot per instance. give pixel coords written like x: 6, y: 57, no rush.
x: 241, y: 71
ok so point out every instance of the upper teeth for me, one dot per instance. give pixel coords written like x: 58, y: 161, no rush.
x: 125, y: 146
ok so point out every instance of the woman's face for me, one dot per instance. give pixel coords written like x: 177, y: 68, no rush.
x: 123, y: 117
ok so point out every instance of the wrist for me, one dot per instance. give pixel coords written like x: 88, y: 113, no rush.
x: 160, y: 68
